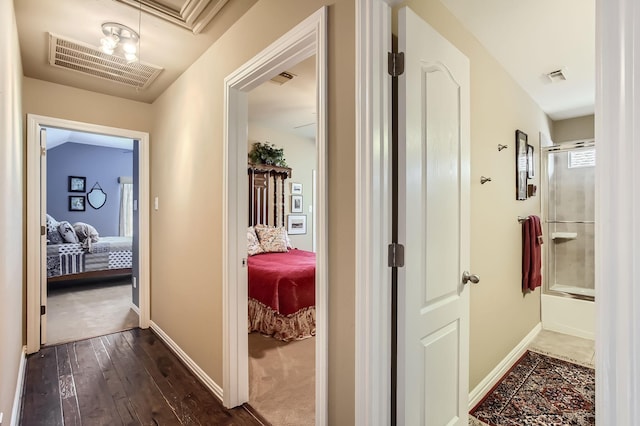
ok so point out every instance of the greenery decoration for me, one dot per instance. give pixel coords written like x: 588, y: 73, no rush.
x: 267, y: 153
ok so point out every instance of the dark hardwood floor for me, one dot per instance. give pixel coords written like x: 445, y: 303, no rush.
x: 127, y: 378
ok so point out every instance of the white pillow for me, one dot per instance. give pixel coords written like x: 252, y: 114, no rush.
x: 53, y: 236
x: 253, y: 244
x: 84, y: 231
x: 272, y: 240
x: 67, y: 232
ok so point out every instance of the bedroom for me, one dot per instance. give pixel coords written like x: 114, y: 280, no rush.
x: 88, y: 189
x: 282, y: 122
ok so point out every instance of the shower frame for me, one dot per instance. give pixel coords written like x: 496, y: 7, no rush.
x: 545, y: 183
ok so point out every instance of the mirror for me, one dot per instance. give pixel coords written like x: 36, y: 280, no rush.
x: 96, y: 196
x: 522, y: 150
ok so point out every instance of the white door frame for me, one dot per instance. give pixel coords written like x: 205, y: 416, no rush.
x: 303, y: 41
x: 612, y: 29
x: 373, y: 211
x: 34, y: 124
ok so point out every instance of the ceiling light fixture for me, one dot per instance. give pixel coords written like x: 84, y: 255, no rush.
x: 120, y: 35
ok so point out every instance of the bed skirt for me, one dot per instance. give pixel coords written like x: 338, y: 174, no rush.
x: 297, y: 326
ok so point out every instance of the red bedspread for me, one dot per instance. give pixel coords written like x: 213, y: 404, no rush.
x: 283, y: 281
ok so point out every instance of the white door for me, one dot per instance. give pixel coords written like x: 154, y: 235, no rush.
x: 43, y: 235
x: 433, y: 310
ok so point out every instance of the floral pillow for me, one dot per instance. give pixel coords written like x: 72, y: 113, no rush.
x: 272, y: 240
x: 253, y: 244
x: 53, y: 236
x: 68, y: 233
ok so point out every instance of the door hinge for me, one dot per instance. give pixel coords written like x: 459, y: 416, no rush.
x: 43, y: 309
x: 396, y: 255
x: 396, y: 63
x: 43, y: 151
x: 43, y: 230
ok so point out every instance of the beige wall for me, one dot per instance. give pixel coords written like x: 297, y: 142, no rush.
x: 500, y: 315
x: 300, y: 154
x: 186, y: 298
x: 69, y: 103
x: 12, y: 209
x: 574, y: 129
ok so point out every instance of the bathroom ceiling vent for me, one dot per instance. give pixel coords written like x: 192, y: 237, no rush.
x: 283, y: 77
x: 557, y: 75
x: 86, y: 59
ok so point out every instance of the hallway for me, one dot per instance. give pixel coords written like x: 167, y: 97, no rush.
x: 129, y: 378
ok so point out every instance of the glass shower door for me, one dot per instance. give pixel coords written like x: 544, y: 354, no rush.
x: 569, y: 214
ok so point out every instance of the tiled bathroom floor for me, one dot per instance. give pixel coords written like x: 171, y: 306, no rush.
x: 569, y: 348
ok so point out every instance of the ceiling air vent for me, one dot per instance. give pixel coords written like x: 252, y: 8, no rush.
x: 557, y: 75
x: 283, y: 77
x: 80, y: 57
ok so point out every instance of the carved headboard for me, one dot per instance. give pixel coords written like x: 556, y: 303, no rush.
x: 267, y: 194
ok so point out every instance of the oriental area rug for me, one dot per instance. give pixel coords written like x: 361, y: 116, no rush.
x: 541, y: 390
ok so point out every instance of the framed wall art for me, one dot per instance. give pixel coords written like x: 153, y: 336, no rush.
x: 296, y: 188
x: 77, y: 203
x: 296, y: 204
x: 522, y: 151
x: 77, y: 184
x: 296, y: 224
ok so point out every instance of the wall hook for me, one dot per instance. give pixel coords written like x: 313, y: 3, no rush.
x: 501, y: 147
x: 484, y: 180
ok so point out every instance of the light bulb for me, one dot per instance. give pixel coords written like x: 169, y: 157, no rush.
x: 106, y: 49
x: 110, y: 42
x: 129, y: 47
x: 130, y: 57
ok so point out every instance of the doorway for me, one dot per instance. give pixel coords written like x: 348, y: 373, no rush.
x: 282, y: 332
x: 89, y: 184
x: 305, y: 40
x: 37, y: 221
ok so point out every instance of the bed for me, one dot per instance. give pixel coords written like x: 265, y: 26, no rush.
x: 77, y: 251
x: 109, y: 256
x: 281, y: 278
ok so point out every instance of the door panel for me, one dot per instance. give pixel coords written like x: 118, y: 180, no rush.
x: 433, y: 331
x: 43, y: 238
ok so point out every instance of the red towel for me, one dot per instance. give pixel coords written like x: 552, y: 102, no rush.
x: 531, y: 253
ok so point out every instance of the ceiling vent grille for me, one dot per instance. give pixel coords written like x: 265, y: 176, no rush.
x: 80, y: 57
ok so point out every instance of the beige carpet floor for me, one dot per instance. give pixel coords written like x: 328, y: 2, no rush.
x: 88, y: 310
x: 282, y: 380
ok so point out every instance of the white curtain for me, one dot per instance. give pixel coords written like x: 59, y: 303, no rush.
x: 126, y: 209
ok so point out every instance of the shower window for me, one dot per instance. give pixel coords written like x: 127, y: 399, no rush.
x: 569, y: 215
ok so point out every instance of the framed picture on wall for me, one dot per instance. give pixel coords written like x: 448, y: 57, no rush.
x: 77, y: 184
x: 296, y: 188
x: 77, y: 203
x: 296, y: 204
x: 296, y: 224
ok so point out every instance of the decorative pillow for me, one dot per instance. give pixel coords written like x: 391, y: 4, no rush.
x: 67, y: 232
x: 272, y: 240
x: 84, y: 231
x: 286, y: 236
x: 253, y: 244
x: 53, y: 236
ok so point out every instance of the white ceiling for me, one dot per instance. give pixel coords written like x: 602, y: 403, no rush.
x: 531, y: 38
x: 291, y: 107
x: 56, y: 137
x: 162, y: 43
x: 528, y: 37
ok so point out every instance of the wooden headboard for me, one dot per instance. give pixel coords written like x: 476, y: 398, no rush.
x: 267, y: 194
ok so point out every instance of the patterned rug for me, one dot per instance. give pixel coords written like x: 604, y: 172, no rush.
x: 541, y: 390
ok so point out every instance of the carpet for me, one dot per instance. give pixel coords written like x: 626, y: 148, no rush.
x: 282, y: 380
x: 541, y: 390
x: 89, y: 309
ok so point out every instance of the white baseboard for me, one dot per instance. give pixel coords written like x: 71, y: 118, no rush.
x: 17, y: 398
x: 135, y: 309
x: 496, y: 374
x: 191, y: 365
